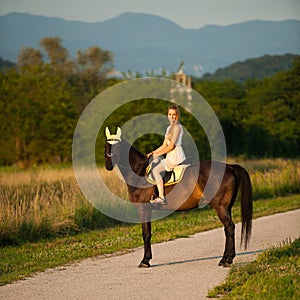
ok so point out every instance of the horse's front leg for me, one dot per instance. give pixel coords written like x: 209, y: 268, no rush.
x: 145, y: 218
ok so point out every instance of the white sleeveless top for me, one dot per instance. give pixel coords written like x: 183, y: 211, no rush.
x: 176, y: 156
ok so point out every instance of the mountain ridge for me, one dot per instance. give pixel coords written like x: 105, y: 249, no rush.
x: 254, y: 68
x: 141, y: 42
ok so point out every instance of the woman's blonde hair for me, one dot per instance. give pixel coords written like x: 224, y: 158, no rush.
x: 175, y: 107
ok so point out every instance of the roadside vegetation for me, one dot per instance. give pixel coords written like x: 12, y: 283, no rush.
x: 39, y: 204
x: 274, y: 275
x: 46, y: 222
x: 17, y: 262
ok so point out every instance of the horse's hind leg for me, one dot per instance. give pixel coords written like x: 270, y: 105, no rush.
x: 229, y: 228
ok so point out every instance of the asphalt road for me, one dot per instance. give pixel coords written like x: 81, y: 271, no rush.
x: 186, y: 268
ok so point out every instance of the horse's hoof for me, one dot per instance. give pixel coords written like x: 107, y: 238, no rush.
x: 144, y: 265
x: 225, y: 264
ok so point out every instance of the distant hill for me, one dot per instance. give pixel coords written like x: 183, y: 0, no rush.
x: 143, y: 42
x: 258, y: 68
x: 5, y: 64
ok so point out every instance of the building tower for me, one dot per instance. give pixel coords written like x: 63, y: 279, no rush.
x: 184, y: 86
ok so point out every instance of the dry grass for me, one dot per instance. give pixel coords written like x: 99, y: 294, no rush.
x: 28, y: 176
x: 45, y: 203
x: 274, y: 177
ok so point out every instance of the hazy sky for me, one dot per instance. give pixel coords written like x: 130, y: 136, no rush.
x: 186, y: 13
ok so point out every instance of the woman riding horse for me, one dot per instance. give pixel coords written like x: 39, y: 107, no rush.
x: 172, y: 146
x: 132, y: 165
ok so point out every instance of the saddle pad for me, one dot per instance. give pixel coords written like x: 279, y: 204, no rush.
x: 176, y: 176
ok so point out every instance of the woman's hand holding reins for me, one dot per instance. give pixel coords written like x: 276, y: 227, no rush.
x: 149, y: 154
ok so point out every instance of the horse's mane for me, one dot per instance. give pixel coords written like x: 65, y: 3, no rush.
x: 139, y: 160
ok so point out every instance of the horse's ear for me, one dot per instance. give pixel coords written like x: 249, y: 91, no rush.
x: 107, y: 133
x: 119, y: 133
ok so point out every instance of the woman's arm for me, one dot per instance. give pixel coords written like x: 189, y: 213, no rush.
x: 154, y: 152
x: 175, y: 134
x: 165, y: 148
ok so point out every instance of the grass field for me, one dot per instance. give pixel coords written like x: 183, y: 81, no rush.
x: 46, y: 222
x: 19, y: 261
x: 47, y: 203
x: 274, y: 275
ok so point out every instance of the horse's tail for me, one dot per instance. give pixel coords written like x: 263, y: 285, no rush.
x: 243, y: 181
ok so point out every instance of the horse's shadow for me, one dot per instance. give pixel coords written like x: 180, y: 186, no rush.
x: 201, y: 259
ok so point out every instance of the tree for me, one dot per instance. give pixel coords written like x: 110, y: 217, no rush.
x: 57, y: 54
x: 275, y: 107
x: 261, y: 117
x: 95, y: 60
x: 39, y: 116
x: 29, y: 57
x: 42, y: 100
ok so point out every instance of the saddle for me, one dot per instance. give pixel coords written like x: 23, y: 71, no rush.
x: 171, y: 177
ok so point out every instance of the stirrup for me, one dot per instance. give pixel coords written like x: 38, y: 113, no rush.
x: 159, y: 201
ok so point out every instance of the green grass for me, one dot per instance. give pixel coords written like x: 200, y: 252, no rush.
x: 17, y: 262
x: 46, y: 222
x: 43, y: 203
x: 274, y: 275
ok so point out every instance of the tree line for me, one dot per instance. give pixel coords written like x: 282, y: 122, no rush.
x: 43, y: 97
x: 260, y: 118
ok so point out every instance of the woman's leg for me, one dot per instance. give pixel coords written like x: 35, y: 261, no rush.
x: 160, y: 187
x: 158, y: 172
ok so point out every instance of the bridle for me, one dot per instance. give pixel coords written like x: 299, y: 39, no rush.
x: 110, y: 154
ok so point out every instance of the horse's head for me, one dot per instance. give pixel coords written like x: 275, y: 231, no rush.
x: 112, y: 148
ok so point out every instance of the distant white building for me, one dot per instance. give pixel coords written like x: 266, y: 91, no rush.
x: 183, y: 87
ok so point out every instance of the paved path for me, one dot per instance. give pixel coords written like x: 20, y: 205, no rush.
x: 182, y: 269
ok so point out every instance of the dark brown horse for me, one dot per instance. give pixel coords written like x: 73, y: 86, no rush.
x: 132, y: 165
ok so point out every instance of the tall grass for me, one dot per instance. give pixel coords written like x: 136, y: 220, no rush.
x: 45, y: 204
x: 48, y: 203
x: 274, y: 178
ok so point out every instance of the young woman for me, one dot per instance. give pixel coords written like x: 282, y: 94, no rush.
x: 172, y: 147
